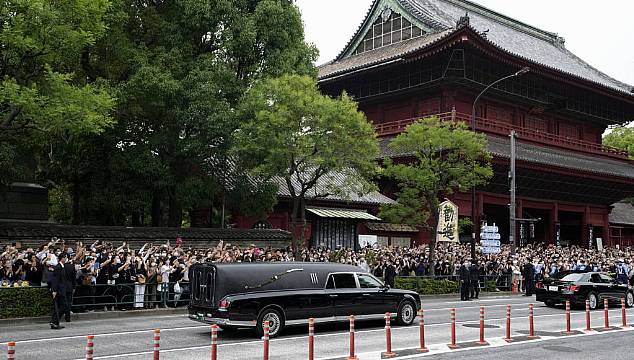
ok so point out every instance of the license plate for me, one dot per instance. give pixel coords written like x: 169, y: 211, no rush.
x: 553, y: 288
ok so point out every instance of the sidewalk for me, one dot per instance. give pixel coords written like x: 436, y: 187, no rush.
x: 98, y: 315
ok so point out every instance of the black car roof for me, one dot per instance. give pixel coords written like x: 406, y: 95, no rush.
x: 313, y: 266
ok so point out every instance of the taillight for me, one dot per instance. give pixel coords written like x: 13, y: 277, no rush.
x: 574, y: 287
x: 224, y: 304
x: 539, y: 285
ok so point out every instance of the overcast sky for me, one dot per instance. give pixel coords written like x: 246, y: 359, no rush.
x: 600, y: 32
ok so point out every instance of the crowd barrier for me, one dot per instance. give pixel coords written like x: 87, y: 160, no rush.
x: 389, y: 352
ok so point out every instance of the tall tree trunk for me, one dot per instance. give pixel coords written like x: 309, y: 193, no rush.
x: 175, y: 215
x: 302, y: 219
x: 294, y: 222
x: 432, y: 244
x: 136, y: 218
x: 76, y: 202
x: 157, y: 216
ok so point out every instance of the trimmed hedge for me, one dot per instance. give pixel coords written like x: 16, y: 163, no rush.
x: 427, y: 286
x: 24, y: 302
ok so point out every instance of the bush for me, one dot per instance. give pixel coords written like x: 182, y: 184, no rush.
x: 427, y: 286
x: 24, y: 302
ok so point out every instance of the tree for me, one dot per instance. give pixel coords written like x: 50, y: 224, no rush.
x: 180, y: 69
x: 295, y: 134
x: 443, y: 157
x: 42, y: 93
x: 621, y: 138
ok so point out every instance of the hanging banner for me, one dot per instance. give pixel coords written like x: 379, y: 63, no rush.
x: 590, y: 236
x: 557, y: 233
x: 447, y: 222
x: 600, y: 244
x: 531, y: 230
x: 522, y: 233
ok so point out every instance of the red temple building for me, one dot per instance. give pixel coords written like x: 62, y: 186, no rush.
x: 414, y: 58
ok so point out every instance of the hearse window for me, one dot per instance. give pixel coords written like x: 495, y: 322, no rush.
x: 344, y: 281
x: 210, y: 287
x: 596, y: 278
x: 331, y: 283
x: 368, y: 282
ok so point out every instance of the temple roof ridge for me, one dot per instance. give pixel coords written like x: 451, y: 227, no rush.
x: 472, y: 7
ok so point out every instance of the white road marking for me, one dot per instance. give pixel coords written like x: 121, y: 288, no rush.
x: 493, y: 343
x: 70, y: 337
x: 439, y: 348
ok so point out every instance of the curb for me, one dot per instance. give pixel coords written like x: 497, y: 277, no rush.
x: 97, y: 315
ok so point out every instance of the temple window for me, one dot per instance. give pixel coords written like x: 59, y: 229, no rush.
x: 388, y: 29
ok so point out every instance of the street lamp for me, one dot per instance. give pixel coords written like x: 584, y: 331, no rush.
x: 474, y: 225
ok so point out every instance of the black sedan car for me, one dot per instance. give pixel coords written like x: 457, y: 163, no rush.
x: 285, y: 293
x: 581, y: 286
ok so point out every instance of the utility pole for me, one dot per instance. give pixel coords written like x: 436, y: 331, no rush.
x: 512, y: 205
x: 475, y: 226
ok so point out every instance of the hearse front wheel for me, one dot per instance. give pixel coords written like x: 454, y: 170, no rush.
x: 406, y: 313
x: 276, y: 322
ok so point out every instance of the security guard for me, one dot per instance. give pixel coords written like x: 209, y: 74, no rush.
x: 463, y: 274
x: 57, y: 287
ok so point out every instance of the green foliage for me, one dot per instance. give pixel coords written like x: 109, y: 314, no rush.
x: 24, y: 302
x: 294, y: 133
x: 179, y: 70
x: 43, y: 93
x: 621, y: 138
x: 464, y: 225
x: 60, y: 204
x: 427, y: 286
x: 443, y: 157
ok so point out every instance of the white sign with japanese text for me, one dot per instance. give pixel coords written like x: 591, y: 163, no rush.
x: 447, y: 222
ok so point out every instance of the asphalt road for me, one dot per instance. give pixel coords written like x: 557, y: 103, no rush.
x: 131, y: 338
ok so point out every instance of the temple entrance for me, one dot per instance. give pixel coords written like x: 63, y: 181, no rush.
x: 571, y: 227
x: 539, y: 232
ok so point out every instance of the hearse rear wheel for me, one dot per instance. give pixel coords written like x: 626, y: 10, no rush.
x: 276, y: 322
x: 550, y: 303
x: 406, y: 313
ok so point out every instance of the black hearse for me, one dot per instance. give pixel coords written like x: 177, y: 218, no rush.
x: 234, y: 295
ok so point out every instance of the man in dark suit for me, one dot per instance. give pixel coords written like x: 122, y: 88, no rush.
x: 69, y: 283
x: 57, y: 287
x: 529, y: 277
x: 474, y: 279
x: 463, y: 274
x: 390, y: 273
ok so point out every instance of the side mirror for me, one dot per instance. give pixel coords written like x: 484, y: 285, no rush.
x: 385, y: 288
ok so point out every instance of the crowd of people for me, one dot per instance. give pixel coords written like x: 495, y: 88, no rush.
x: 102, y: 274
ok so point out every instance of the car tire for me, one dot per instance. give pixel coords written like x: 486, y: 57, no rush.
x: 629, y: 299
x: 593, y: 300
x: 406, y: 313
x: 276, y: 322
x: 550, y: 303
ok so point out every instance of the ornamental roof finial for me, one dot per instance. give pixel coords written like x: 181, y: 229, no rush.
x: 463, y: 21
